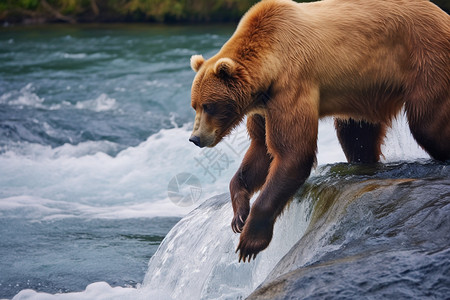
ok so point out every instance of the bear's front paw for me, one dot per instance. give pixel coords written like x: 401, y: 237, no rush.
x: 255, y: 238
x: 239, y: 221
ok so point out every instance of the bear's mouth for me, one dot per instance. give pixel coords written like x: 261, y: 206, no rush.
x: 220, y: 135
x: 216, y: 141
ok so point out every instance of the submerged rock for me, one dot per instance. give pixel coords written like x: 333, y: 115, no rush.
x: 379, y: 231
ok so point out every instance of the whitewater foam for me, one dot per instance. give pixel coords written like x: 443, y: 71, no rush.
x: 74, y: 55
x: 98, y: 291
x: 26, y: 96
x: 101, y: 103
x: 134, y: 182
x: 80, y: 55
x: 131, y: 184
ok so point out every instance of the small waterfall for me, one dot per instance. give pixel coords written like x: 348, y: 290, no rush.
x: 197, y: 259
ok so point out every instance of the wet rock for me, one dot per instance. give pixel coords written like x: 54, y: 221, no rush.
x: 380, y: 231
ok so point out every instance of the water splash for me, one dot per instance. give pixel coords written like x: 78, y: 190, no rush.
x: 101, y: 103
x: 26, y: 96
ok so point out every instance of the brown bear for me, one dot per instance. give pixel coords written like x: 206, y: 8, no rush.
x: 289, y: 64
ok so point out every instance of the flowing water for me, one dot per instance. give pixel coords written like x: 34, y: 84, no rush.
x: 94, y: 127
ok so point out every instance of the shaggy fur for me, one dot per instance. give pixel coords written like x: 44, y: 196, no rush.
x: 289, y: 64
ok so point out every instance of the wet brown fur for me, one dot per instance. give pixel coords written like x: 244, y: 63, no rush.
x: 291, y: 64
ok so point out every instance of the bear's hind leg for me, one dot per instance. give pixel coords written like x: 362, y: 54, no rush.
x: 360, y: 140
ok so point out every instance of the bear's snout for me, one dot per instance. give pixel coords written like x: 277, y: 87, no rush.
x: 196, y: 140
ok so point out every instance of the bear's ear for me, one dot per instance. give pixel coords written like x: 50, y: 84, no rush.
x: 196, y: 62
x: 225, y: 67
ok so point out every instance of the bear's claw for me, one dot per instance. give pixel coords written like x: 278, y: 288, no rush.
x: 254, y: 240
x: 238, y: 223
x: 248, y: 251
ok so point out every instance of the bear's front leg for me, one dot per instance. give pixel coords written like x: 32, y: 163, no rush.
x: 252, y: 173
x: 291, y: 138
x: 285, y: 177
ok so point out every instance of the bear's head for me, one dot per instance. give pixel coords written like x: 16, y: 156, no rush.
x: 220, y: 97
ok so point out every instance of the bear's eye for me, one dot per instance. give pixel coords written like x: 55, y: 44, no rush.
x: 208, y: 108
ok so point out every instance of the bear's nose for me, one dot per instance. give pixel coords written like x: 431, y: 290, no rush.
x: 195, y: 139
